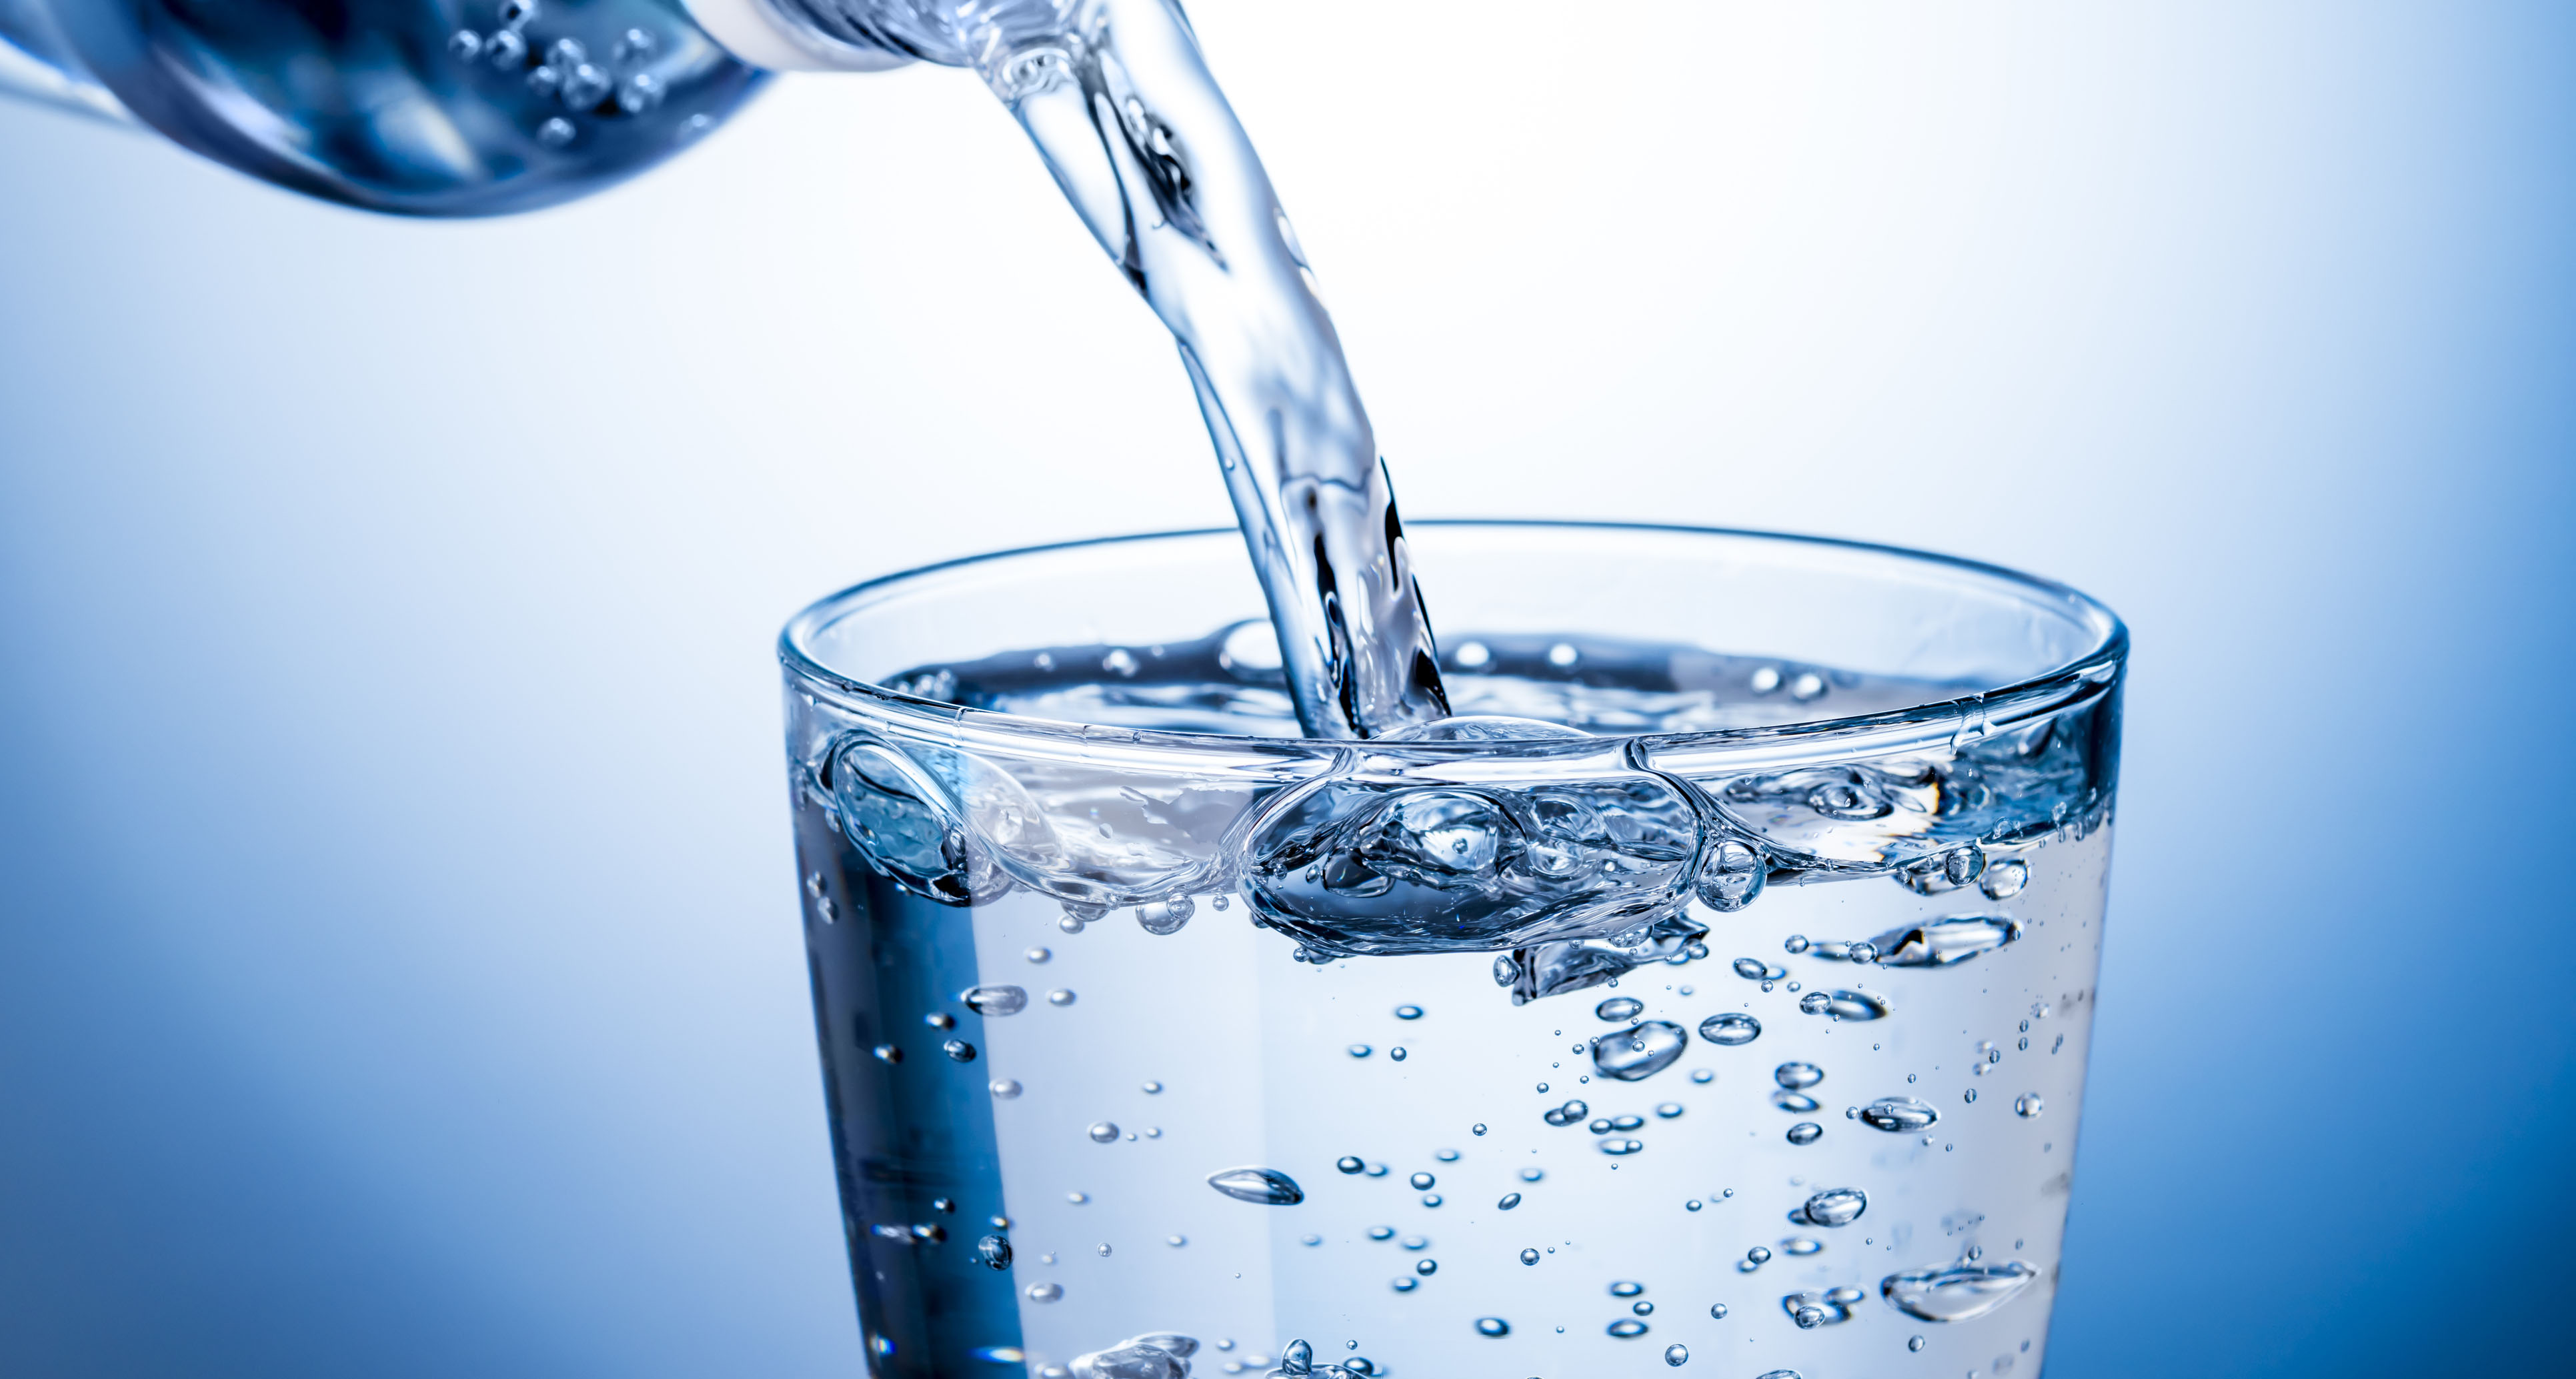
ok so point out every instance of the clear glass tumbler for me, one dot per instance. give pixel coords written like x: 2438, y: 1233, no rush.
x: 1714, y: 991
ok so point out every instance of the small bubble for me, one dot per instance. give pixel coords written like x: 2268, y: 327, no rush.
x: 556, y: 132
x: 1644, y: 1309
x: 1750, y: 969
x: 1381, y: 1232
x: 1691, y: 1205
x: 1757, y: 1255
x: 2004, y: 880
x: 465, y: 45
x: 1039, y: 954
x: 1805, y: 1132
x: 1510, y: 1200
x: 1310, y: 1239
x: 1471, y: 656
x: 1676, y: 1355
x: 1361, y: 1050
x: 1426, y: 1267
x: 1408, y: 1012
x: 1529, y: 1256
x: 506, y: 49
x: 887, y: 1054
x: 1913, y: 1343
x: 1263, y: 1186
x: 1797, y: 1077
x: 1796, y: 1103
x: 1103, y: 1132
x: 1796, y: 943
x: 1119, y: 661
x: 939, y: 1020
x: 1377, y: 1170
x: 1717, y: 1311
x: 1070, y: 924
x: 1476, y: 1129
x: 1152, y: 1089
x: 1165, y: 917
x: 1627, y: 1328
x: 959, y: 1050
x: 1404, y: 1285
x: 1702, y: 1076
x: 1801, y: 1245
x: 1176, y: 1241
x: 1396, y: 1053
x: 1493, y: 1326
x: 1421, y: 1181
x: 1059, y: 997
x: 1104, y: 1251
x: 1625, y: 1289
x: 1532, y: 1175
x: 1807, y: 686
x: 1898, y: 1115
x: 1728, y: 1030
x: 1349, y: 1163
x: 1044, y: 1292
x: 1619, y: 1008
x: 1077, y: 1199
x: 2028, y: 1106
x: 1562, y: 655
x: 1006, y: 1088
x: 1431, y: 1199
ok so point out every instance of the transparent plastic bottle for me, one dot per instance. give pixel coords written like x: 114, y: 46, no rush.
x: 461, y: 107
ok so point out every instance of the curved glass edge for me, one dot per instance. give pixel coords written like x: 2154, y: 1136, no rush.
x: 1936, y: 726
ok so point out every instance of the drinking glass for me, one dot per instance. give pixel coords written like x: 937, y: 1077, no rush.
x: 1715, y: 990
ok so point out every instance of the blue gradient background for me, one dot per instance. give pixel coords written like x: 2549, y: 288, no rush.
x: 399, y: 970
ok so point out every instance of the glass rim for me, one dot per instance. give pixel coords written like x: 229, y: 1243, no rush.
x: 1935, y: 725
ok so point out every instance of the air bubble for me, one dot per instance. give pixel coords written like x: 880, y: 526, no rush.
x: 1349, y: 1163
x: 1426, y: 1267
x: 887, y: 1054
x: 1493, y: 1326
x: 1060, y: 997
x: 1039, y: 955
x: 1957, y: 1292
x: 958, y: 1050
x: 2028, y: 1106
x: 1532, y: 1175
x: 1619, y: 1008
x: 1729, y: 1029
x: 1732, y: 876
x: 1677, y: 1355
x: 1796, y: 1103
x: 1621, y: 1147
x: 1529, y: 1256
x: 1899, y: 1115
x: 1839, y: 1206
x: 2004, y: 880
x: 1152, y: 1089
x: 1396, y: 1053
x: 1510, y: 1200
x: 1562, y: 655
x: 1103, y: 1132
x: 1044, y: 1292
x: 1165, y: 917
x: 1361, y: 1050
x: 1627, y: 1328
x: 1006, y: 1088
x: 1668, y: 1110
x: 1795, y: 944
x: 1797, y: 1077
x: 1805, y: 1132
x: 1263, y: 1186
x: 556, y: 132
x: 1802, y: 1246
x: 1638, y: 1052
x: 1408, y: 1012
x: 1421, y: 1181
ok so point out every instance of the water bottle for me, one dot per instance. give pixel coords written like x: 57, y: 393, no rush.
x: 463, y: 107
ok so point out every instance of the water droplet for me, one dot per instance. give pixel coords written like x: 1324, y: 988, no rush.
x: 1349, y: 1163
x: 1266, y: 1186
x: 2004, y: 879
x: 1808, y: 685
x: 2028, y: 1106
x: 993, y: 1252
x: 1103, y: 1132
x: 1640, y: 1051
x: 1805, y: 1132
x: 1415, y: 1242
x: 1729, y: 1029
x: 1619, y: 1008
x: 1120, y: 661
x: 1970, y: 1096
x: 1070, y: 925
x: 1691, y: 1205
x: 1913, y: 1343
x: 1898, y: 1115
x: 1166, y: 916
x: 1644, y: 1309
x: 1493, y: 1326
x: 1627, y: 1328
x: 1677, y: 1355
x: 1814, y: 1002
x: 1104, y: 1251
x: 1717, y: 1311
x: 1510, y: 1200
x: 1421, y: 1181
x: 1396, y: 1053
x: 959, y: 1050
x: 1006, y: 1087
x: 1426, y: 1267
x: 1361, y: 1050
x: 1797, y: 1077
x: 1732, y: 876
x: 1059, y: 997
x: 1780, y: 1374
x: 1039, y: 954
x: 1957, y: 1292
x: 1044, y: 1292
x: 1476, y: 1129
x: 1529, y: 1256
x: 1838, y: 1206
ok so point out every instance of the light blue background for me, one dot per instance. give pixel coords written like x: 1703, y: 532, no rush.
x: 399, y: 972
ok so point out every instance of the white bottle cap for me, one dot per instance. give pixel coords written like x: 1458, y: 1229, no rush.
x: 759, y: 33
